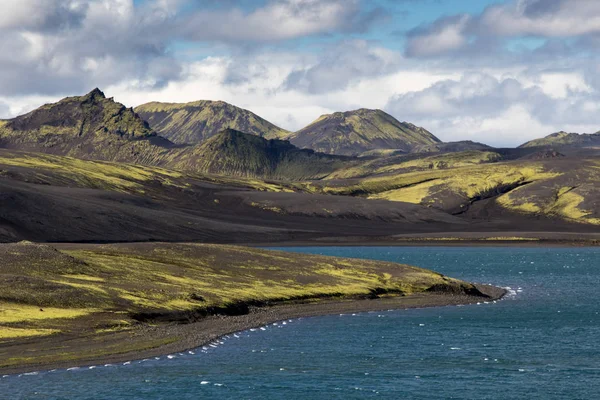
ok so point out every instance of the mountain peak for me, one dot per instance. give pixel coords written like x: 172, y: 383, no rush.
x: 75, y: 126
x: 358, y: 131
x: 95, y: 94
x: 198, y: 121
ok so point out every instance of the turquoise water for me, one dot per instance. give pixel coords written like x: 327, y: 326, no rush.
x: 539, y: 343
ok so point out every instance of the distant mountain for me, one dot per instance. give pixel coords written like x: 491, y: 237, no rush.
x: 90, y: 126
x: 195, y: 122
x: 565, y: 139
x: 451, y: 147
x: 231, y: 152
x: 360, y: 131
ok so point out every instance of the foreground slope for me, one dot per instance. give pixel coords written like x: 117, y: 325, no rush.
x: 359, y: 131
x: 53, y: 198
x: 200, y: 120
x: 77, y: 304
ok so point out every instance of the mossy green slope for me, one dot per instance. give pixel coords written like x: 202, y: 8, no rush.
x: 405, y: 163
x: 200, y: 120
x: 359, y: 131
x: 97, y: 128
x: 94, y: 294
x: 562, y: 138
x: 239, y: 154
x: 560, y: 189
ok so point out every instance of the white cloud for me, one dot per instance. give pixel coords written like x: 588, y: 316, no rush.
x: 550, y: 18
x: 277, y: 20
x: 53, y: 48
x: 497, y: 111
x: 448, y: 34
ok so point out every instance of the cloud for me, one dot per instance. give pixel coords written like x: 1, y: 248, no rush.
x: 547, y: 19
x: 499, y: 111
x: 517, y: 69
x: 277, y: 20
x: 68, y: 46
x: 4, y: 110
x: 343, y: 64
x: 42, y: 15
x: 445, y: 35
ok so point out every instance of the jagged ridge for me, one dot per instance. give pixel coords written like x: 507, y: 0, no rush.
x: 232, y: 152
x: 89, y: 127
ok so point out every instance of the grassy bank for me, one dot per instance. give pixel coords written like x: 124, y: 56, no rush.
x: 86, y: 302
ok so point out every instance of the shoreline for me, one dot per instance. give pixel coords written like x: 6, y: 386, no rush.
x: 439, y: 239
x: 193, y: 335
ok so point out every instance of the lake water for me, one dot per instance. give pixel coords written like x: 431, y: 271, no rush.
x: 542, y: 342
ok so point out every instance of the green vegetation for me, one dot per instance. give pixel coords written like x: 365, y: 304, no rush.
x: 437, y: 187
x: 200, y: 120
x: 359, y: 131
x: 91, y: 174
x: 59, y: 286
x: 239, y: 154
x: 120, y: 177
x: 412, y: 163
x: 569, y: 195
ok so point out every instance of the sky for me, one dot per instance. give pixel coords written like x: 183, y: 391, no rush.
x: 499, y: 72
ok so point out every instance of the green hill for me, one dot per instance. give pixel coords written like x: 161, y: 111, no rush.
x: 97, y: 128
x: 195, y: 122
x: 231, y: 152
x: 359, y: 131
x: 89, y: 127
x: 562, y: 138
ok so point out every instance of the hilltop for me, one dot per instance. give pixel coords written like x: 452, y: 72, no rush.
x: 562, y: 138
x: 200, y: 120
x: 98, y: 128
x: 231, y: 152
x: 88, y: 127
x: 359, y: 131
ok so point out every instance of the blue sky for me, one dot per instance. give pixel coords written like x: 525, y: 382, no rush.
x: 494, y: 71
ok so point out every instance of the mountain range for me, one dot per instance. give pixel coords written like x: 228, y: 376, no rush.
x: 234, y: 176
x: 192, y: 123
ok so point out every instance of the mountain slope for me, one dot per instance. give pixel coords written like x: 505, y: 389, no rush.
x: 195, y: 122
x: 355, y: 132
x: 231, y: 152
x: 89, y: 127
x: 562, y: 138
x: 452, y: 147
x: 45, y: 197
x: 96, y: 128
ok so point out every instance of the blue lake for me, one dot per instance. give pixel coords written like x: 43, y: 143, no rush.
x: 541, y: 342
